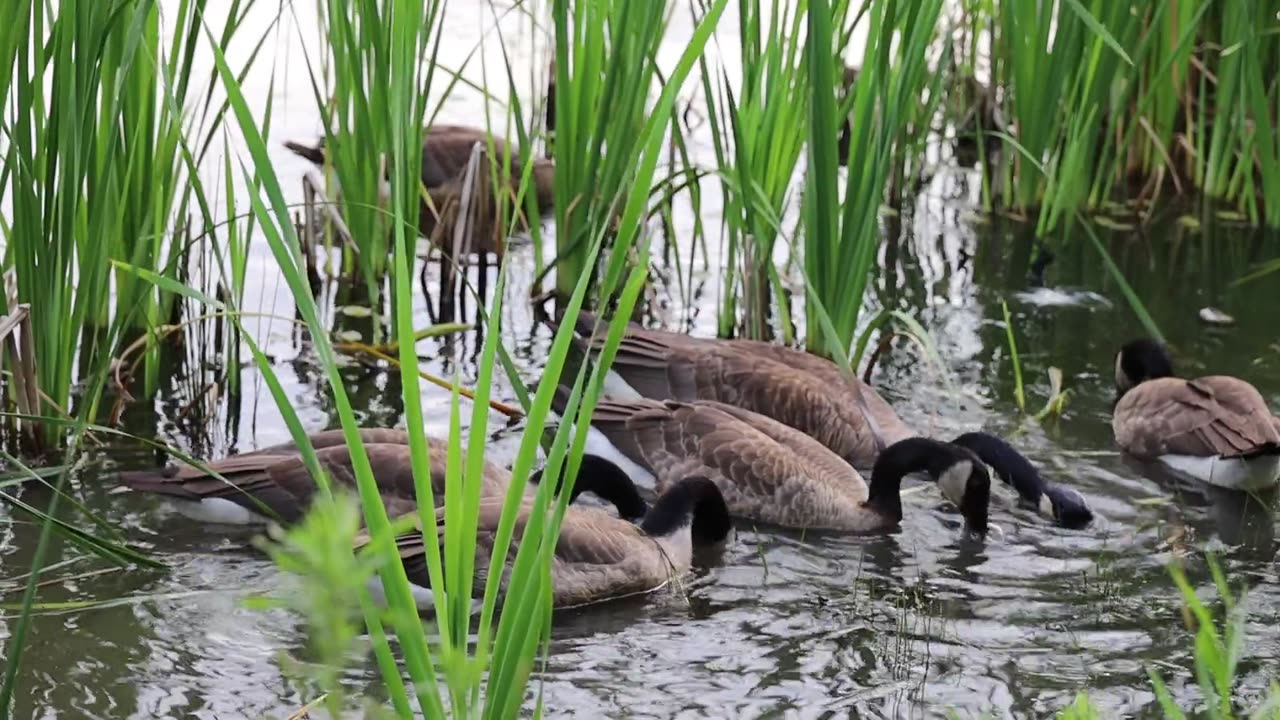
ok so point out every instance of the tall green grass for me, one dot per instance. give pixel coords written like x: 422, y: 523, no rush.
x: 1218, y: 648
x: 367, y: 43
x: 481, y: 669
x: 758, y: 131
x: 1134, y: 99
x: 895, y: 89
x: 101, y: 145
x: 606, y: 53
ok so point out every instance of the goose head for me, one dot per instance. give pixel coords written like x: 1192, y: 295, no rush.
x: 959, y: 473
x: 695, y: 503
x: 1138, y: 361
x: 606, y: 481
x: 1063, y: 505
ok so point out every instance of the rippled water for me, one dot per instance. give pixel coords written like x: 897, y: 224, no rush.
x: 905, y: 624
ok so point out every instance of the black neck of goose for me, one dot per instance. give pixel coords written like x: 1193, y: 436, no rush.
x: 607, y: 481
x: 1145, y: 359
x: 1012, y: 467
x: 916, y: 454
x: 693, y: 500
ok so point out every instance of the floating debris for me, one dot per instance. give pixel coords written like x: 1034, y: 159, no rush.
x: 1062, y: 297
x: 1214, y: 316
x: 1191, y: 222
x: 1232, y: 216
x: 348, y: 336
x: 356, y: 311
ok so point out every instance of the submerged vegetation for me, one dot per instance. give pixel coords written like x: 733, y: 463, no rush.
x: 1218, y: 645
x: 111, y: 133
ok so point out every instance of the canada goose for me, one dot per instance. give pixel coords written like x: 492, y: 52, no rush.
x: 1217, y: 428
x: 598, y: 557
x: 446, y: 152
x: 805, y: 391
x: 772, y: 473
x: 1063, y: 505
x: 273, y: 482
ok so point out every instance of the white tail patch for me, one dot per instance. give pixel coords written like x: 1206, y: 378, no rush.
x: 954, y: 480
x: 599, y: 445
x: 219, y: 511
x: 423, y: 598
x: 1254, y: 473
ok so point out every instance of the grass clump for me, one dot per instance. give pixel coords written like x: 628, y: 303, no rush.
x: 841, y: 235
x: 758, y: 131
x: 1135, y: 98
x: 605, y: 67
x: 100, y: 157
x: 380, y: 61
x: 1217, y: 653
x: 472, y: 666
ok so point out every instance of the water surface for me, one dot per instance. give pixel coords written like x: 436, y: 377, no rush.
x: 903, y: 624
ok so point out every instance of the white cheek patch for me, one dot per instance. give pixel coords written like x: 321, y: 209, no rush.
x: 953, y: 481
x: 1122, y: 381
x: 1046, y: 507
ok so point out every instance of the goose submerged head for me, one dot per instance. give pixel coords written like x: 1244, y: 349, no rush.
x: 1069, y: 507
x: 605, y: 480
x: 1141, y: 360
x: 1063, y: 505
x: 968, y: 486
x: 960, y: 475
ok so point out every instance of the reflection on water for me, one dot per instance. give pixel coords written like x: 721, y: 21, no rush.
x: 895, y: 625
x: 892, y: 625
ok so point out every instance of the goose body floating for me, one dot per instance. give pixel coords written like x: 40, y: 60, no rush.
x: 772, y: 473
x: 273, y: 483
x: 803, y: 391
x: 446, y: 152
x: 1061, y: 504
x: 1216, y: 429
x: 598, y: 556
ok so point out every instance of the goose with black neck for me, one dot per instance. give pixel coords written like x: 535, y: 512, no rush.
x: 598, y: 556
x: 1216, y: 429
x: 771, y: 473
x: 1064, y: 505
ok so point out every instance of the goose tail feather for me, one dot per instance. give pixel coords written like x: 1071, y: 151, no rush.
x: 159, y: 481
